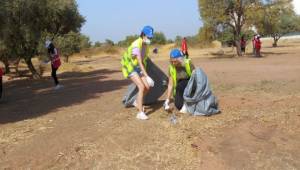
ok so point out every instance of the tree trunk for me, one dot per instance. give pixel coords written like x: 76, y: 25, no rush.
x: 237, y: 40
x: 238, y: 48
x: 6, y: 64
x: 17, y: 66
x: 275, y: 42
x: 276, y: 38
x: 30, y: 66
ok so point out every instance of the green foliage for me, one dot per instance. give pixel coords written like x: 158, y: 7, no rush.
x: 178, y: 40
x: 110, y: 49
x: 159, y: 38
x: 109, y: 42
x: 97, y: 44
x: 84, y: 42
x: 23, y: 34
x: 4, y: 56
x: 170, y: 41
x: 226, y: 37
x: 128, y: 40
x: 191, y: 40
x: 279, y: 19
x: 206, y: 34
x: 62, y: 16
x: 68, y: 44
x: 248, y: 35
x: 225, y: 18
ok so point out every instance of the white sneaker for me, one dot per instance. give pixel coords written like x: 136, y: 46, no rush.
x: 184, y: 109
x: 57, y: 87
x: 166, y: 105
x: 142, y: 116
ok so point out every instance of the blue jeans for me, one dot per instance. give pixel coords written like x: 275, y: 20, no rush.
x: 137, y: 71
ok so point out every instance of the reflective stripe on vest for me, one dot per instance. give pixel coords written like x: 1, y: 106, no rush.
x: 128, y: 62
x: 173, y: 73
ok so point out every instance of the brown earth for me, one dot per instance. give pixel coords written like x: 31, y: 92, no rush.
x: 84, y: 125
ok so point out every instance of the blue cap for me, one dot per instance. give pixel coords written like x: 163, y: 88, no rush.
x: 148, y: 31
x: 175, y: 53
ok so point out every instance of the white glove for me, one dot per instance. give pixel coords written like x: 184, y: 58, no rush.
x: 166, y: 104
x: 150, y: 81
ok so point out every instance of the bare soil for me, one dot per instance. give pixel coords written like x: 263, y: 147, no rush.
x: 84, y: 125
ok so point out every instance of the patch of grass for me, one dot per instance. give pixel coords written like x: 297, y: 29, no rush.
x: 223, y: 87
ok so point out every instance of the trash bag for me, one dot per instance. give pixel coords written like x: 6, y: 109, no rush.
x: 198, y: 96
x: 160, y: 86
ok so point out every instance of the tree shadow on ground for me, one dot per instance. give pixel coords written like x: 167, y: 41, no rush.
x: 155, y: 107
x: 26, y: 99
x: 282, y: 46
x: 274, y: 53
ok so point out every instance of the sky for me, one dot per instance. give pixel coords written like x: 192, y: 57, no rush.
x: 297, y: 6
x: 115, y: 19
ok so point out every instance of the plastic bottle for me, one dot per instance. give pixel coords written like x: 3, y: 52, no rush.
x: 173, y: 119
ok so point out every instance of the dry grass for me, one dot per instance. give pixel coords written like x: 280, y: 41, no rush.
x: 88, y: 128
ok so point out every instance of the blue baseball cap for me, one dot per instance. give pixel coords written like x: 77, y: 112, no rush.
x: 175, y: 53
x: 148, y: 31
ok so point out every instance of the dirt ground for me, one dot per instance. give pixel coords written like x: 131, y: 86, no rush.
x: 84, y: 125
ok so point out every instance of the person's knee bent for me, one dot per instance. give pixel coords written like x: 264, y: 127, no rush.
x: 141, y: 88
x: 146, y: 88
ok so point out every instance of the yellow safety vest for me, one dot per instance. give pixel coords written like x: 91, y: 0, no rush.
x: 173, y: 73
x: 128, y: 62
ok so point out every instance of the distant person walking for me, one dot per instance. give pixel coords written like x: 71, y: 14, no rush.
x: 257, y: 46
x: 134, y: 64
x: 55, y: 62
x: 243, y: 45
x: 184, y: 48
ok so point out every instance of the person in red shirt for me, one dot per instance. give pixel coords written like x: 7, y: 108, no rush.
x: 184, y: 48
x: 55, y: 62
x: 258, y: 46
x: 1, y: 74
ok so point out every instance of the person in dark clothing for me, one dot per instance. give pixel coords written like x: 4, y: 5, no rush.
x: 1, y: 86
x: 180, y: 71
x: 55, y: 62
x: 53, y: 74
x: 243, y: 45
x: 179, y: 93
